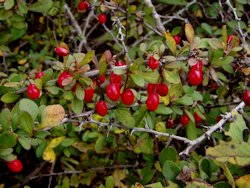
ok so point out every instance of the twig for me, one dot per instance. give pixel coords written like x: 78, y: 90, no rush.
x: 195, y: 143
x: 165, y: 22
x: 156, y: 16
x: 243, y: 36
x: 28, y: 177
x: 81, y: 171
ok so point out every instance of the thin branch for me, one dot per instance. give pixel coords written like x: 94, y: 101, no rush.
x: 243, y: 36
x: 156, y: 16
x: 195, y: 143
x: 82, y: 171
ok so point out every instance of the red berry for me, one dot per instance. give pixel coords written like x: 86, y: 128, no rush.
x: 194, y: 77
x: 39, y: 75
x: 214, y: 85
x: 197, y: 118
x: 61, y: 51
x: 102, y: 18
x: 15, y: 166
x: 89, y: 94
x: 33, y: 92
x: 119, y: 63
x: 246, y: 97
x: 170, y: 123
x: 101, y: 79
x: 152, y: 101
x: 153, y: 63
x: 128, y: 97
x: 177, y: 39
x: 162, y: 89
x: 184, y: 120
x: 83, y: 5
x: 218, y: 118
x: 230, y: 38
x: 113, y: 91
x: 64, y: 75
x: 115, y: 78
x: 151, y: 88
x: 198, y: 66
x: 101, y: 108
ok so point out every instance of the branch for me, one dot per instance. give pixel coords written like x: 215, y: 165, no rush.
x: 156, y: 16
x: 243, y: 36
x: 195, y: 143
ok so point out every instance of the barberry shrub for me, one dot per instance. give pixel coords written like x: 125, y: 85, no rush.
x: 124, y: 93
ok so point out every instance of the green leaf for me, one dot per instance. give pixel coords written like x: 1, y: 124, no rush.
x: 77, y: 105
x: 52, y: 89
x: 139, y: 116
x: 22, y: 7
x: 207, y: 28
x: 185, y: 100
x: 102, y: 64
x: 138, y: 79
x: 8, y: 4
x: 17, y: 33
x: 47, y: 75
x: 172, y: 76
x: 233, y: 152
x: 41, y: 6
x: 26, y: 122
x: 125, y: 117
x: 227, y: 173
x: 223, y: 61
x: 7, y: 140
x: 236, y: 128
x: 151, y: 76
x: 190, y: 115
x: 67, y: 142
x: 144, y: 145
x: 9, y: 98
x: 170, y: 170
x: 173, y: 2
x: 30, y: 107
x: 10, y: 157
x: 5, y: 119
x: 170, y: 42
x: 110, y: 182
x: 79, y: 92
x: 191, y: 131
x: 164, y: 110
x: 169, y: 154
x: 25, y: 142
x: 88, y: 58
x: 100, y: 143
x: 40, y: 149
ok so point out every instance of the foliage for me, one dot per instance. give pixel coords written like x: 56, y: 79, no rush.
x: 130, y: 146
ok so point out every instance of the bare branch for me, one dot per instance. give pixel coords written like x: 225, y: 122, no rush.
x: 195, y: 143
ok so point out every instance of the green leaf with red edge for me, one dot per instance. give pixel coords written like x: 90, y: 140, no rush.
x: 170, y: 42
x: 87, y: 58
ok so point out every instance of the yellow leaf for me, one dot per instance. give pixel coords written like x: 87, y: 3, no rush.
x: 55, y: 142
x: 165, y: 100
x: 224, y: 33
x: 243, y: 181
x: 246, y: 71
x: 170, y: 42
x: 52, y: 116
x: 22, y: 61
x: 1, y: 53
x: 189, y: 31
x: 49, y: 155
x: 138, y: 185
